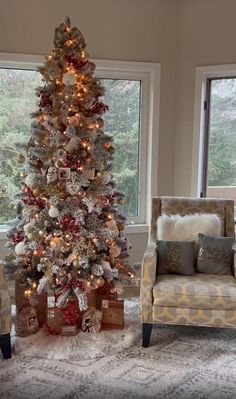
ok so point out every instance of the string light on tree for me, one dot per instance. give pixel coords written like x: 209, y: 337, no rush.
x: 70, y: 232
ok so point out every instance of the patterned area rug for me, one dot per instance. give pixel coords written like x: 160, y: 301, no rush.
x: 181, y: 363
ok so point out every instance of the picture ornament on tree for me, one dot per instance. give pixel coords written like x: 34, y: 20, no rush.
x: 69, y: 235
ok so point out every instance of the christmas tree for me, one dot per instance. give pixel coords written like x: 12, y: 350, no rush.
x: 69, y: 234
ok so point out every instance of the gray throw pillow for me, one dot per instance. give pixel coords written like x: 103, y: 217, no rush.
x: 215, y: 254
x: 175, y: 257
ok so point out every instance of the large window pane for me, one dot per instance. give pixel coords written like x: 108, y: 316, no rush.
x: 17, y: 101
x: 221, y: 176
x: 122, y: 121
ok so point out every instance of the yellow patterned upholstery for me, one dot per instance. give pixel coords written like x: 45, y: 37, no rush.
x: 198, y: 291
x: 200, y: 299
x: 5, y: 305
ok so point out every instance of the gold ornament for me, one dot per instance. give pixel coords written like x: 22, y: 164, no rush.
x: 120, y: 226
x: 100, y: 282
x: 36, y: 191
x: 20, y: 158
x: 76, y: 263
x: 62, y: 194
x: 56, y: 242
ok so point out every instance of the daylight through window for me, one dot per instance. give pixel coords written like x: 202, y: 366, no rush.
x: 122, y: 121
x: 221, y: 165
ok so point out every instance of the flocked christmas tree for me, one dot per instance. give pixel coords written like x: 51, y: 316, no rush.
x: 69, y: 235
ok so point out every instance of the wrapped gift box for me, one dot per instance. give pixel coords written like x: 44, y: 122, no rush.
x: 112, y: 314
x: 54, y: 320
x: 22, y: 301
x: 104, y: 292
x: 69, y: 330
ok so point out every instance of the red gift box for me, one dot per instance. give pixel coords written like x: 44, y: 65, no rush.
x: 112, y: 314
x: 104, y: 292
x: 54, y: 321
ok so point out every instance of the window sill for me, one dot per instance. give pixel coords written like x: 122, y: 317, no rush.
x: 137, y: 228
x: 130, y: 229
x: 3, y: 232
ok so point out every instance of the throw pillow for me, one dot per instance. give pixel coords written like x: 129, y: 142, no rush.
x: 215, y: 254
x: 175, y: 257
x: 187, y: 227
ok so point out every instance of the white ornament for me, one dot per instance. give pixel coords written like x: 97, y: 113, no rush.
x: 52, y: 175
x: 53, y: 212
x: 28, y: 227
x: 20, y: 248
x: 69, y: 78
x: 90, y: 204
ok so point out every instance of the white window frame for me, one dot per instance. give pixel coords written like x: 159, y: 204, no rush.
x: 202, y: 74
x: 149, y: 75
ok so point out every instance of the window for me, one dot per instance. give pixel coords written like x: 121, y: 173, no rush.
x: 17, y: 101
x: 221, y: 133
x: 130, y: 120
x: 215, y: 132
x: 122, y: 121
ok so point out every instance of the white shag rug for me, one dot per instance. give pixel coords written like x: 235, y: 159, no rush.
x: 83, y: 346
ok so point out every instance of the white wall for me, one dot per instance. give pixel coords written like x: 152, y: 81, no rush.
x: 207, y: 37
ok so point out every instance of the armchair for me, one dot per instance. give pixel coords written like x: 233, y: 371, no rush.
x: 5, y: 317
x: 200, y: 299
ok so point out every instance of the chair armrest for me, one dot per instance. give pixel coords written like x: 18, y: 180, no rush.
x: 5, y: 305
x: 234, y: 262
x: 148, y: 278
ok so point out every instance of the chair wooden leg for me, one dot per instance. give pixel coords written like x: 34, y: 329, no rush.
x: 5, y: 345
x: 147, y: 330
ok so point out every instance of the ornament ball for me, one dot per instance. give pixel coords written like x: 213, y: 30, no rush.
x: 53, y: 212
x: 100, y: 282
x: 36, y: 191
x: 76, y: 263
x: 20, y: 158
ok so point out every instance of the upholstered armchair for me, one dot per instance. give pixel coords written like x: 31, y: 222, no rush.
x: 5, y: 317
x: 200, y: 299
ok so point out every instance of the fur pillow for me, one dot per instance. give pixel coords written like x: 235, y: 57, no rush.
x: 187, y: 227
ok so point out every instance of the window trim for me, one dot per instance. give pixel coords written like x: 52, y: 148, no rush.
x: 203, y: 73
x: 149, y: 74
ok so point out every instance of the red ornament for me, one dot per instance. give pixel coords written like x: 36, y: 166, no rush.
x: 70, y: 312
x: 18, y: 237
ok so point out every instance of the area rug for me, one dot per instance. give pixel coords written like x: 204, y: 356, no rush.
x: 181, y: 363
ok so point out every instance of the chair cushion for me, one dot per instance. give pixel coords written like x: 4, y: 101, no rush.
x: 215, y: 254
x: 198, y: 291
x: 175, y: 257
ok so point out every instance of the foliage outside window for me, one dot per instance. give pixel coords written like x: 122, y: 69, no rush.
x: 122, y: 121
x: 222, y: 133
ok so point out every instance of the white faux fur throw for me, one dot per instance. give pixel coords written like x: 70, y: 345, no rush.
x: 187, y: 228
